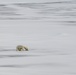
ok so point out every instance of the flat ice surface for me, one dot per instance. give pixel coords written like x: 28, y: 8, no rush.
x: 47, y: 28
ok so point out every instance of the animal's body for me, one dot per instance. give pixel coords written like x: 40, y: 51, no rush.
x: 21, y: 48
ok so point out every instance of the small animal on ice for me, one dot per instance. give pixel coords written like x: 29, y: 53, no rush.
x: 21, y: 48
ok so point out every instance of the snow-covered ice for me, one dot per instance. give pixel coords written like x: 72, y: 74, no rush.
x: 47, y: 28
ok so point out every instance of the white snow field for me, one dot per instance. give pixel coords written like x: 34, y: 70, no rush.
x: 47, y: 28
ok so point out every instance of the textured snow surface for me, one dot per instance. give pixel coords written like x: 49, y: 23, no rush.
x: 47, y: 28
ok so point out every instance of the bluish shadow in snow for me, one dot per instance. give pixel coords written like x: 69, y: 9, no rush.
x: 45, y: 10
x: 7, y: 11
x: 5, y: 50
x: 10, y: 56
x: 69, y: 23
x: 36, y: 65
